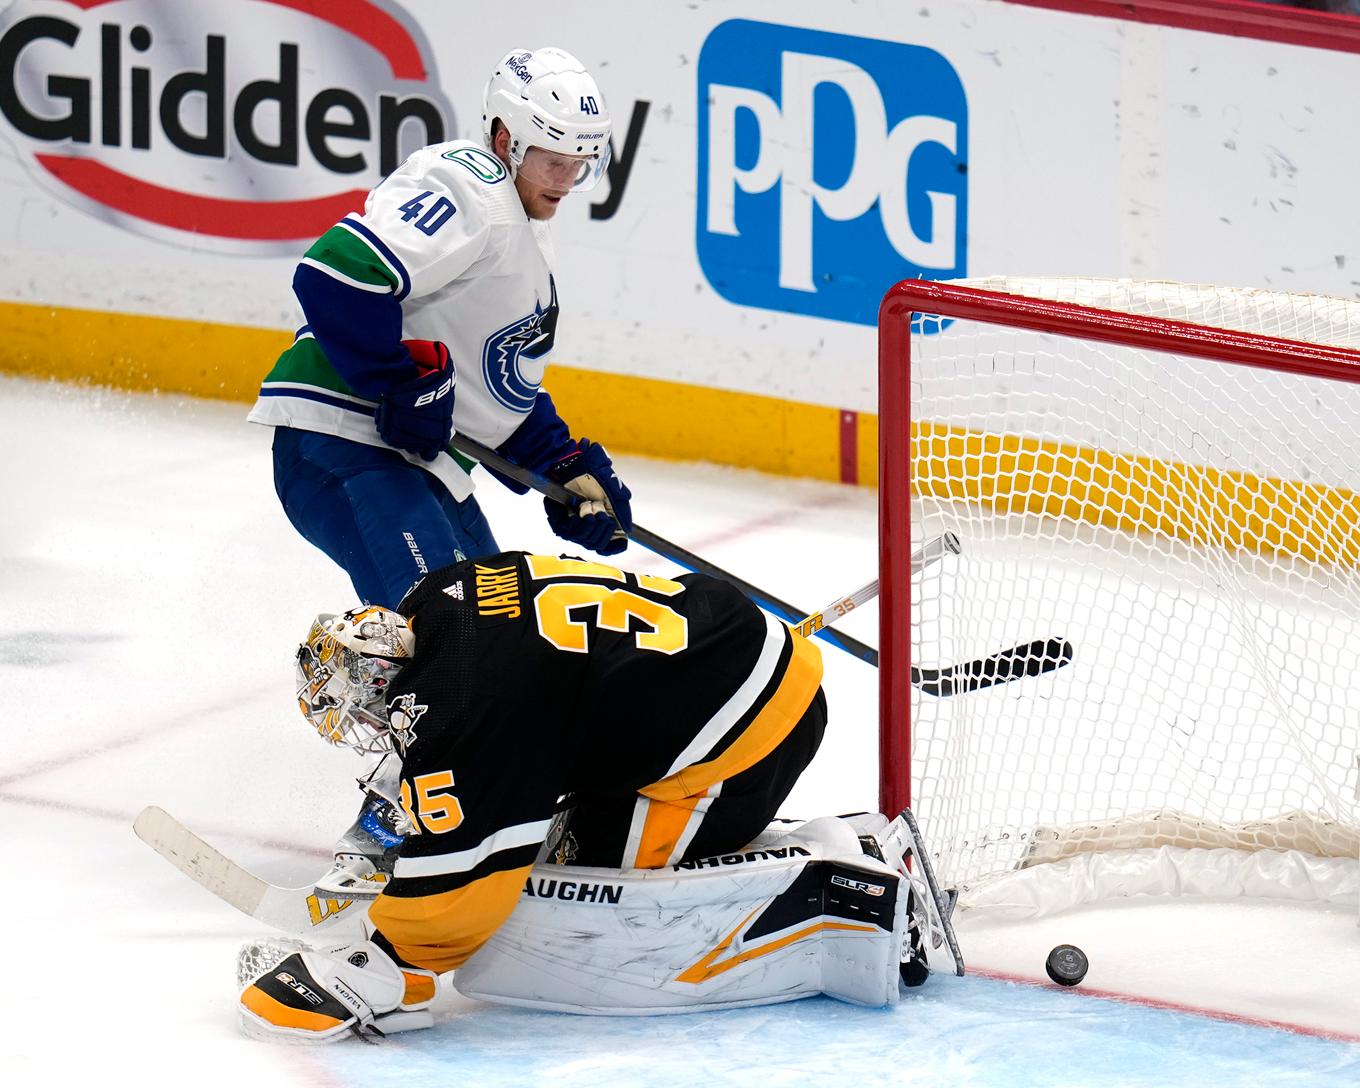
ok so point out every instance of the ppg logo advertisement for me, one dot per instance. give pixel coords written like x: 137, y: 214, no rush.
x: 829, y: 168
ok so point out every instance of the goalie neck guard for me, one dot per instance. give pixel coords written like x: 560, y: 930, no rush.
x: 546, y: 99
x: 344, y: 668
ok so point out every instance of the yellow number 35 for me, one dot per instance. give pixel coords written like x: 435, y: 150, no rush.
x: 435, y: 809
x: 566, y: 610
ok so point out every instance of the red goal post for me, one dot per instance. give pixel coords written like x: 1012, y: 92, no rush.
x: 1048, y: 315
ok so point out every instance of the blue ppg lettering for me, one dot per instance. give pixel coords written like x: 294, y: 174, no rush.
x: 440, y: 212
x: 830, y: 167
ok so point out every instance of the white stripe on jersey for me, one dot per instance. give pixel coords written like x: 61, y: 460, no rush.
x: 353, y: 224
x: 304, y: 387
x: 696, y: 819
x: 742, y: 699
x: 348, y: 281
x: 634, y: 840
x: 507, y: 838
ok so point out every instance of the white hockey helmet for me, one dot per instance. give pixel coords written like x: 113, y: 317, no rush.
x: 548, y: 100
x: 344, y: 667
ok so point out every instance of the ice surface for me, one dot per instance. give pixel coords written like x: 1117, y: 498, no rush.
x: 151, y: 593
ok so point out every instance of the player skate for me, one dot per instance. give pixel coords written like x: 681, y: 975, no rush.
x: 931, y: 909
x: 366, y: 853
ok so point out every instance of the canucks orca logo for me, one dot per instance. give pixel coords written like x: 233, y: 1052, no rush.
x: 530, y: 337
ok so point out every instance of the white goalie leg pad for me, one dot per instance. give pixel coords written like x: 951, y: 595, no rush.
x: 799, y: 913
x: 320, y: 995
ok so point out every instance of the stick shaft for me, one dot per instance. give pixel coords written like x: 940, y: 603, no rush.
x: 929, y: 552
x: 653, y: 542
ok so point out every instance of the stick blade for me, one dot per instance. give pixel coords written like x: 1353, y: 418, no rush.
x: 1028, y: 659
x: 201, y: 863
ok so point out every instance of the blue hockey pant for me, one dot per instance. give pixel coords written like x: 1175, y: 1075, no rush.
x: 385, y: 521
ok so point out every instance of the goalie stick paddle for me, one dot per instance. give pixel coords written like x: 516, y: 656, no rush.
x: 473, y: 449
x: 292, y: 910
x: 1028, y: 659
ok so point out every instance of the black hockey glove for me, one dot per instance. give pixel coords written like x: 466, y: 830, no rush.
x: 417, y: 416
x: 602, y: 517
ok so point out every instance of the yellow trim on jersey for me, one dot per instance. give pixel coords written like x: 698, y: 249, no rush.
x: 662, y: 828
x: 776, y: 719
x: 273, y: 1011
x: 708, y: 966
x: 440, y: 932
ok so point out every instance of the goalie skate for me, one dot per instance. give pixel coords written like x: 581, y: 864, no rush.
x: 931, y: 909
x: 367, y: 852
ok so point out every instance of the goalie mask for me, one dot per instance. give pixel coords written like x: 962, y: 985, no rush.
x: 344, y: 668
x: 557, y: 118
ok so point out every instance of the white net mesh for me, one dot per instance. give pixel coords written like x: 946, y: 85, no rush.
x: 1190, y: 527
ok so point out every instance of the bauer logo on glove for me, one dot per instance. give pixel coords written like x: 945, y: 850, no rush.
x: 417, y: 416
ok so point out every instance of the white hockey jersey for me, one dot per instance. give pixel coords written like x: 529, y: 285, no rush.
x: 442, y: 251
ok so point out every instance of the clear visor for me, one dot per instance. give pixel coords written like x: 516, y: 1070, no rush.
x: 567, y: 173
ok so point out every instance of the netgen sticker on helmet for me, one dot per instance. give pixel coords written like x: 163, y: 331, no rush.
x: 240, y: 125
x: 549, y: 102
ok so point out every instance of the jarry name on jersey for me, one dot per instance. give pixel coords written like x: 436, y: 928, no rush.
x: 498, y: 591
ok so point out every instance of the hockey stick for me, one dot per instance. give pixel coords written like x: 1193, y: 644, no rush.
x: 1028, y: 659
x: 293, y: 910
x: 945, y: 544
x: 473, y: 449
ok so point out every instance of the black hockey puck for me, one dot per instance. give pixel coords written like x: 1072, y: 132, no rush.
x: 1067, y: 965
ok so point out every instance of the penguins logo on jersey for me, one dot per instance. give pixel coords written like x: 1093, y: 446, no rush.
x: 403, y: 714
x: 531, y: 336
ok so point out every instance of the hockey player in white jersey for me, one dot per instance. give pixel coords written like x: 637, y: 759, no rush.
x: 435, y: 309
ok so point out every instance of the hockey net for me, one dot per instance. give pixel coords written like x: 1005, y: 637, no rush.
x: 1168, y: 477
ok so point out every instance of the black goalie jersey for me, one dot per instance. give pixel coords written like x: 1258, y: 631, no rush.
x: 656, y: 708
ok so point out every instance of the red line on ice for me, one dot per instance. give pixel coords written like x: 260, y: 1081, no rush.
x: 1173, y: 1006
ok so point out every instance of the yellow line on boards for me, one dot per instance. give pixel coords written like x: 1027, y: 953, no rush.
x: 641, y: 415
x: 1008, y: 473
x: 1137, y: 494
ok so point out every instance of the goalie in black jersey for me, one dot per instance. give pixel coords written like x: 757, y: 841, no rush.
x: 640, y: 721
